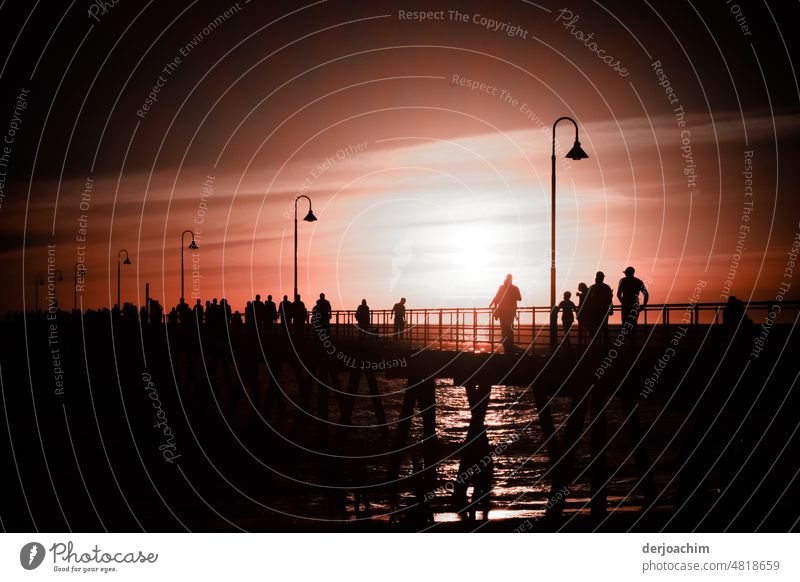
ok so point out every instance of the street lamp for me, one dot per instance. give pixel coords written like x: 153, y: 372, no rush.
x: 309, y: 218
x: 75, y: 287
x: 127, y: 261
x: 576, y: 153
x: 38, y: 280
x: 192, y: 246
x: 59, y: 280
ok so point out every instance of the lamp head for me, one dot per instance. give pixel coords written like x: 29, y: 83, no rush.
x: 193, y: 245
x: 310, y: 216
x: 577, y: 153
x: 127, y: 261
x: 60, y: 277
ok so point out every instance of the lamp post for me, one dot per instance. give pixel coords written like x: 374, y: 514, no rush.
x: 576, y: 153
x: 193, y: 246
x: 38, y: 280
x: 75, y: 287
x: 59, y: 280
x: 127, y: 261
x: 309, y: 218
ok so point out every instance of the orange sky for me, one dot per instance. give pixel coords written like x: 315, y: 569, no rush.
x: 423, y: 188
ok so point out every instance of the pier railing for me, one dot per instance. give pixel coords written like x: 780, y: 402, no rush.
x: 475, y: 329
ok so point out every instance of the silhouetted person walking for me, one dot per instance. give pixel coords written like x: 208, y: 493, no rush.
x: 505, y: 310
x: 600, y: 305
x: 567, y: 308
x: 628, y: 292
x: 399, y: 313
x: 363, y: 318
x: 198, y: 312
x: 323, y: 309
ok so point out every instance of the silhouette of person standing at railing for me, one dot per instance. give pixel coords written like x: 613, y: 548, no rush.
x: 628, y: 292
x: 504, y: 305
x: 399, y: 313
x: 600, y: 304
x: 567, y: 308
x: 299, y: 316
x: 323, y: 310
x: 270, y: 313
x: 363, y: 318
x: 198, y: 312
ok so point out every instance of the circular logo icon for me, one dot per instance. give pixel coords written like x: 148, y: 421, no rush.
x: 31, y: 555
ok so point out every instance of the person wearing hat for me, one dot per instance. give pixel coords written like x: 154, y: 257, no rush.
x: 600, y: 304
x: 628, y: 292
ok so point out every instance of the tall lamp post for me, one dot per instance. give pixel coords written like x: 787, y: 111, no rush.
x: 75, y: 287
x: 192, y: 246
x: 576, y: 153
x: 58, y: 280
x: 309, y: 218
x: 127, y: 261
x: 38, y: 280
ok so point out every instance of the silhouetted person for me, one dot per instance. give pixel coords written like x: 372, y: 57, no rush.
x: 156, y: 312
x: 299, y: 316
x: 184, y: 312
x: 505, y: 310
x: 259, y: 314
x: 270, y: 313
x: 236, y: 322
x: 567, y: 308
x: 198, y: 312
x: 172, y: 318
x: 628, y: 292
x: 249, y: 315
x: 600, y: 305
x: 737, y: 324
x: 583, y: 324
x: 286, y: 313
x: 213, y: 314
x: 399, y: 314
x: 323, y: 309
x: 226, y: 310
x: 363, y: 318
